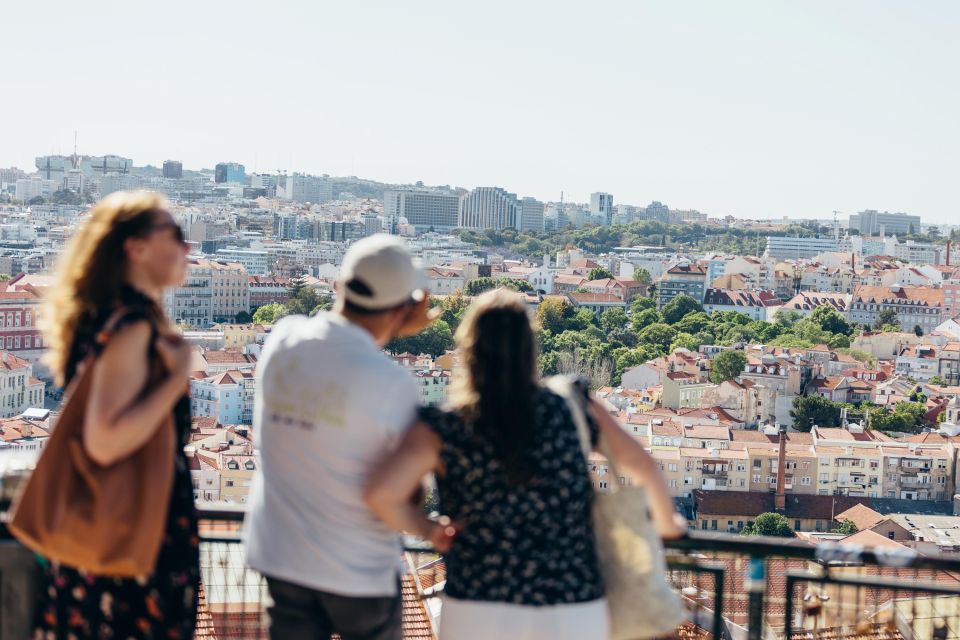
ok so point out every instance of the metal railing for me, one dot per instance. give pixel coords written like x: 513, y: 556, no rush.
x: 734, y: 587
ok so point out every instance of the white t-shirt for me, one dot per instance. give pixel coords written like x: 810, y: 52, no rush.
x: 330, y: 404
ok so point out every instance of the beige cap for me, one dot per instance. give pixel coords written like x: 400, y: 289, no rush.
x: 378, y: 272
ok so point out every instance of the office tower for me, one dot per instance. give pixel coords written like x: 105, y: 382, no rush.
x: 871, y: 223
x: 423, y: 209
x: 531, y: 215
x: 488, y: 208
x: 304, y: 188
x: 173, y: 169
x: 601, y: 206
x: 229, y: 172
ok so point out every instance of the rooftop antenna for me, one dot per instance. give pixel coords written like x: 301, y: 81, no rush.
x: 75, y: 159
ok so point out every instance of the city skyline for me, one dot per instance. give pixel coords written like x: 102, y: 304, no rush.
x: 759, y: 110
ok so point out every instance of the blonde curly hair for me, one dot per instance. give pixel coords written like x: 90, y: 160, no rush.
x: 92, y: 270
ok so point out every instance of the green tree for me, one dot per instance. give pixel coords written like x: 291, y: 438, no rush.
x: 579, y: 320
x: 684, y: 341
x: 613, y: 318
x: 243, y: 317
x: 808, y: 411
x: 269, y: 313
x: 453, y: 307
x: 658, y: 335
x: 599, y: 273
x: 479, y: 285
x: 887, y: 317
x: 325, y: 304
x: 830, y: 320
x: 552, y: 313
x: 727, y: 365
x: 645, y: 318
x: 846, y: 526
x: 642, y: 276
x: 769, y: 524
x: 678, y: 307
x: 435, y: 340
x: 938, y: 380
x: 917, y: 330
x: 694, y: 323
x: 640, y: 303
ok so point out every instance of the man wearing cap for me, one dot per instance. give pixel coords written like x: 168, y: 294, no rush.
x: 329, y: 404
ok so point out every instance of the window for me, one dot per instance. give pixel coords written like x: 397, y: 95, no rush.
x: 757, y: 464
x: 26, y: 342
x: 796, y: 525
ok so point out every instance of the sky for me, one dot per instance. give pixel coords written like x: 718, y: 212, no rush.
x: 761, y: 108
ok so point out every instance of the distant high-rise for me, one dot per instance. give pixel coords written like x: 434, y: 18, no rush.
x: 173, y: 169
x: 488, y: 208
x: 601, y: 206
x: 531, y: 215
x: 425, y: 210
x: 872, y: 223
x: 230, y: 172
x: 304, y: 188
x: 656, y: 210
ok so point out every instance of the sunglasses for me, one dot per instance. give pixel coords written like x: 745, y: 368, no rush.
x: 178, y: 233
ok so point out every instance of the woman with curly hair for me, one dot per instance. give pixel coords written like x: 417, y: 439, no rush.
x: 116, y: 267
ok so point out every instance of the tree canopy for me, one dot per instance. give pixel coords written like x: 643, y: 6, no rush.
x: 769, y: 524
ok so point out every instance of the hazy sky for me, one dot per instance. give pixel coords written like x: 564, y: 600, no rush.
x: 761, y: 108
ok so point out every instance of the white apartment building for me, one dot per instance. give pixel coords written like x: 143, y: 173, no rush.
x: 19, y: 390
x: 29, y: 188
x: 226, y: 396
x: 256, y: 262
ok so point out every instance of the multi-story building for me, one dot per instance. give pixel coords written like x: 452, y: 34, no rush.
x: 914, y: 306
x: 531, y: 215
x: 757, y: 304
x: 304, y: 188
x: 227, y: 397
x: 256, y: 262
x: 192, y: 302
x: 656, y: 210
x: 172, y: 169
x: 797, y: 248
x: 264, y: 290
x: 19, y: 309
x: 871, y: 223
x: 806, y: 301
x: 230, y: 172
x: 425, y: 210
x: 432, y: 385
x: 682, y: 390
x: 917, y: 472
x: 918, y: 252
x: 601, y: 207
x: 34, y: 187
x: 19, y: 390
x: 488, y: 208
x: 714, y: 469
x: 230, y: 286
x: 685, y: 277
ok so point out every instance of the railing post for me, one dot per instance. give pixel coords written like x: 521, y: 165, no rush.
x: 755, y: 583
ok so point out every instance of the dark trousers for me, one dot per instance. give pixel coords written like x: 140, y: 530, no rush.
x: 303, y: 613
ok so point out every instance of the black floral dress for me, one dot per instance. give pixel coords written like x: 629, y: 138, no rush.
x: 74, y: 605
x: 528, y: 544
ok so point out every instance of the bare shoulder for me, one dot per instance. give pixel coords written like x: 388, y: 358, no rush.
x: 128, y: 343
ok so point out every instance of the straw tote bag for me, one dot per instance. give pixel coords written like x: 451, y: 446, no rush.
x: 108, y: 520
x: 639, y: 598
